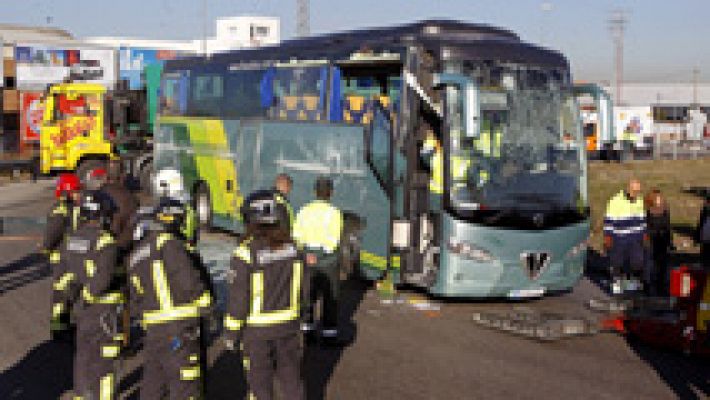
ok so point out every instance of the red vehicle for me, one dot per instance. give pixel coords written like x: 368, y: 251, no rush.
x: 680, y: 322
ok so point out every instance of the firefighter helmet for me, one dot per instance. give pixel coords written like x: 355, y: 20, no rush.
x: 169, y: 183
x: 66, y: 185
x: 261, y: 208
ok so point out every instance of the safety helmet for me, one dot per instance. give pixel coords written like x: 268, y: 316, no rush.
x: 170, y: 213
x: 95, y: 206
x: 261, y: 208
x: 66, y: 185
x: 169, y: 183
x: 96, y: 178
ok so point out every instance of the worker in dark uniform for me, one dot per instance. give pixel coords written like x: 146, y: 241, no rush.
x: 63, y: 219
x: 317, y: 230
x: 89, y: 256
x: 282, y: 188
x: 125, y: 201
x: 266, y: 294
x: 170, y: 190
x: 169, y: 294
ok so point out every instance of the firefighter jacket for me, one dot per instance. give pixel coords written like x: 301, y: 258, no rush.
x: 318, y: 226
x: 87, y: 259
x: 625, y: 219
x: 267, y: 291
x: 62, y: 219
x: 126, y: 205
x: 167, y: 284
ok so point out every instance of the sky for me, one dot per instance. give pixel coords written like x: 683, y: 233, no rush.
x: 664, y: 41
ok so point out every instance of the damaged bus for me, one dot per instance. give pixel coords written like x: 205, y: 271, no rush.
x: 456, y: 150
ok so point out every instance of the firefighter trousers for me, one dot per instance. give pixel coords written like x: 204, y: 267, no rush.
x: 280, y: 358
x: 94, y: 377
x: 172, y: 367
x: 325, y: 284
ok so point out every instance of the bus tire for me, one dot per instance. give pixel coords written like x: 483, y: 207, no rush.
x: 85, y: 168
x: 203, y: 206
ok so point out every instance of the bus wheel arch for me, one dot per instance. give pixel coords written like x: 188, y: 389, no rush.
x: 202, y: 203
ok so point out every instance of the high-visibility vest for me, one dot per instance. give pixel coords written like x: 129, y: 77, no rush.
x: 625, y: 218
x: 459, y: 170
x: 318, y: 225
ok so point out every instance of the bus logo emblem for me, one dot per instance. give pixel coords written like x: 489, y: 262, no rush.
x: 534, y: 263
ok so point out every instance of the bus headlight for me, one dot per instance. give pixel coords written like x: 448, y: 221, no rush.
x: 470, y: 251
x: 579, y: 248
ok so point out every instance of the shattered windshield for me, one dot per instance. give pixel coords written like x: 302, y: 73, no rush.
x: 529, y: 154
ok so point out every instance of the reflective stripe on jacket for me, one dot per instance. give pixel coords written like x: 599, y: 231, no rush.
x: 318, y: 225
x: 625, y: 218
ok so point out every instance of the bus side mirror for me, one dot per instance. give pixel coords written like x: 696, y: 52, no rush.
x: 471, y: 100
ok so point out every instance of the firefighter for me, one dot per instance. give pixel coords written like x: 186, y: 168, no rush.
x: 125, y: 201
x: 89, y: 257
x: 266, y: 295
x: 282, y: 188
x: 317, y: 230
x: 169, y: 294
x: 624, y: 236
x: 62, y: 220
x: 170, y: 189
x: 64, y: 216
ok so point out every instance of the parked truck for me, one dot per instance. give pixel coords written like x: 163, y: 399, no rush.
x: 84, y: 125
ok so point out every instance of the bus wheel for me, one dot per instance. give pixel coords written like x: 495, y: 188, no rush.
x: 350, y: 257
x: 203, y: 206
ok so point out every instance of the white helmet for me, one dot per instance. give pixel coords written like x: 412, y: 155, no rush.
x: 169, y: 183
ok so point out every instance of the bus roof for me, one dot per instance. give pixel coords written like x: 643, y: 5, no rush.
x: 460, y: 40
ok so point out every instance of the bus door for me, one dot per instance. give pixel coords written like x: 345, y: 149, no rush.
x: 422, y: 180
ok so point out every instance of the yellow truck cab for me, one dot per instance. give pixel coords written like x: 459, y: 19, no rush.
x: 72, y: 135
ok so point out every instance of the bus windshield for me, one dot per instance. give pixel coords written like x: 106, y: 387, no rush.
x: 527, y: 165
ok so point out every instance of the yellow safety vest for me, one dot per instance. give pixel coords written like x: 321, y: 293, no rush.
x: 318, y: 225
x: 459, y: 169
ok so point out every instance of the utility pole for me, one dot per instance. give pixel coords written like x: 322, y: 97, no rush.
x: 303, y: 18
x: 696, y: 73
x: 204, y: 28
x: 545, y: 9
x: 617, y: 25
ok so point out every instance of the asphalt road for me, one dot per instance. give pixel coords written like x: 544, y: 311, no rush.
x: 396, y: 350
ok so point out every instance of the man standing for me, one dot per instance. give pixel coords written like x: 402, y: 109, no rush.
x: 169, y: 294
x: 266, y: 294
x: 625, y: 234
x: 318, y: 228
x: 282, y: 188
x: 89, y: 256
x: 62, y: 220
x: 126, y: 204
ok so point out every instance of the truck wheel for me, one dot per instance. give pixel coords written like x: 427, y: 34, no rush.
x: 86, y: 167
x: 203, y: 206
